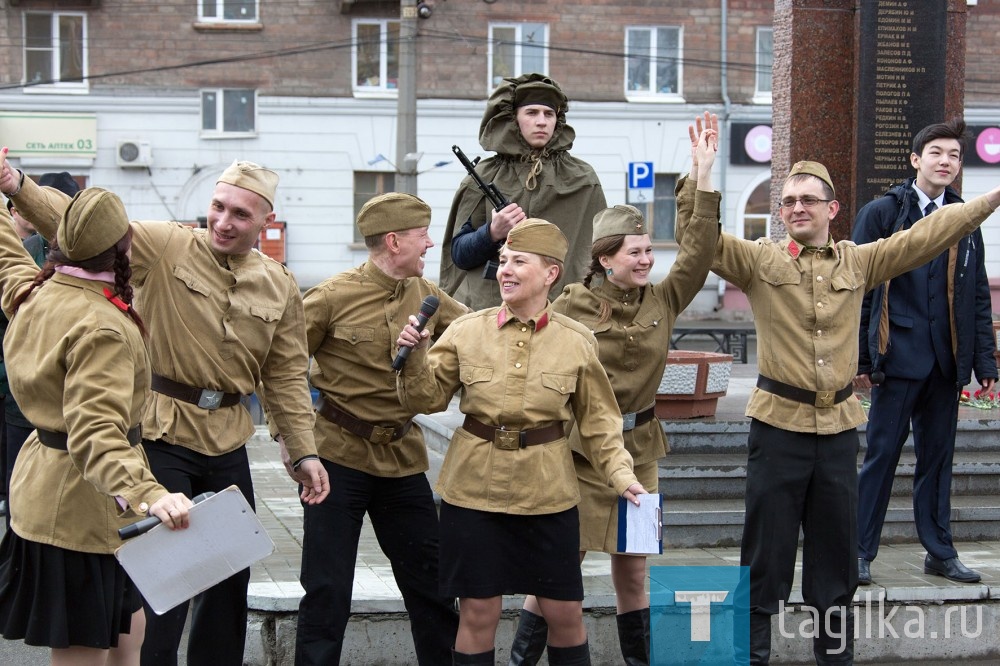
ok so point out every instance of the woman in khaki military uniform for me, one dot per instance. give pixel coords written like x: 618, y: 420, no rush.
x: 509, y: 523
x: 79, y: 368
x: 632, y: 321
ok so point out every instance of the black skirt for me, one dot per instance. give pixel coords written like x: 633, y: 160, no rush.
x: 59, y: 598
x: 486, y: 554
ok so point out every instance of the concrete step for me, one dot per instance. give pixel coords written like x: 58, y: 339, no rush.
x: 723, y: 476
x: 719, y: 522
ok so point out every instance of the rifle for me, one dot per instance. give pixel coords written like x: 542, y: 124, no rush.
x: 492, y: 193
x: 495, y: 196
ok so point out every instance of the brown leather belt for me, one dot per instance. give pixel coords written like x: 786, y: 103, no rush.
x: 632, y: 420
x: 375, y: 434
x: 509, y: 440
x: 58, y: 440
x: 822, y: 399
x: 204, y: 398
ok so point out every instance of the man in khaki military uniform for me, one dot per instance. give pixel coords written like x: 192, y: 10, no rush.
x: 374, y: 453
x: 806, y: 293
x: 222, y: 318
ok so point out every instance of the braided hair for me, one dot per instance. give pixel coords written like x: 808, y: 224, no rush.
x: 602, y: 247
x: 115, y: 258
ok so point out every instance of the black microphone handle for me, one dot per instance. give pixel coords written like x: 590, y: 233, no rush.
x: 146, y: 524
x: 404, y: 352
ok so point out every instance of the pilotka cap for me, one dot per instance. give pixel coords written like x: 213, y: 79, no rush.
x: 251, y: 177
x: 619, y: 220
x: 538, y: 237
x: 94, y: 221
x: 393, y: 211
x: 813, y: 169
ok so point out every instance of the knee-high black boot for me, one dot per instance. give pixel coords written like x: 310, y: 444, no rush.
x: 480, y: 659
x: 633, y: 637
x: 760, y: 639
x: 529, y: 640
x: 578, y: 655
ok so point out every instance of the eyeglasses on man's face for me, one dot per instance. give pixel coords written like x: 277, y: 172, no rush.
x: 808, y: 201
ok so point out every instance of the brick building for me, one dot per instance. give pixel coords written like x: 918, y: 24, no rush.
x: 154, y: 99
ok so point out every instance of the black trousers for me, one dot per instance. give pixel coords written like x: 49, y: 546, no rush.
x: 932, y: 404
x: 405, y: 521
x: 217, y: 636
x: 808, y: 481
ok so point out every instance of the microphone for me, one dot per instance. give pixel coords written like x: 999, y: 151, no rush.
x: 427, y: 310
x: 146, y: 524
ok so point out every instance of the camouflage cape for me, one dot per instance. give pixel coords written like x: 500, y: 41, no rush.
x: 567, y: 193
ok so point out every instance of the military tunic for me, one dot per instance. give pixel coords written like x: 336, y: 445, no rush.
x: 78, y: 365
x: 242, y: 324
x: 520, y: 375
x: 633, y: 341
x: 352, y: 322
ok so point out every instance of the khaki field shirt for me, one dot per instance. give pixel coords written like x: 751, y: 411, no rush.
x: 806, y: 304
x: 352, y: 322
x: 222, y: 322
x: 633, y: 341
x: 77, y: 365
x: 520, y: 375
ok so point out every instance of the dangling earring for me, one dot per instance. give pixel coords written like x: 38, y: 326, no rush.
x: 610, y: 272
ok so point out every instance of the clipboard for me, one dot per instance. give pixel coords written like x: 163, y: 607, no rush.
x: 640, y: 528
x: 169, y: 567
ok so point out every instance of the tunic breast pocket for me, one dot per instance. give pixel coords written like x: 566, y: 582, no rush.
x: 778, y: 275
x: 191, y: 280
x: 475, y: 374
x: 354, y: 335
x: 562, y: 384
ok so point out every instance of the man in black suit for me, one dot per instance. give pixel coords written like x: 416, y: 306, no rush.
x: 922, y: 335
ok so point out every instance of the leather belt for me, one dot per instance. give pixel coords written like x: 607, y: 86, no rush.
x: 58, y: 440
x: 632, y: 420
x: 375, y: 434
x: 821, y: 399
x: 204, y: 398
x: 509, y: 440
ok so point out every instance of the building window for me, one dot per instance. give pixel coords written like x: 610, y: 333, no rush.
x: 226, y: 112
x: 765, y: 61
x: 516, y: 49
x: 757, y: 212
x: 376, y: 55
x: 227, y: 11
x: 55, y: 49
x: 653, y: 63
x: 661, y: 212
x: 368, y: 184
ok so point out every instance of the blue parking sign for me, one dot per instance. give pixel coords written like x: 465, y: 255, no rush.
x: 640, y: 175
x: 699, y: 615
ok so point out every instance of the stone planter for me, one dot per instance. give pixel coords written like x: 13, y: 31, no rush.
x: 692, y: 384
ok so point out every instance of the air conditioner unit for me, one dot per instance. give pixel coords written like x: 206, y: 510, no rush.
x: 132, y: 154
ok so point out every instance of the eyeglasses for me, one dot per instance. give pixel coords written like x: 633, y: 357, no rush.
x: 807, y: 201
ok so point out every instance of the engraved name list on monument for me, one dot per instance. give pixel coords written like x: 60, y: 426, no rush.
x: 902, y: 62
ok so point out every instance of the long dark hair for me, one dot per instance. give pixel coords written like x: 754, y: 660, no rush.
x: 114, y: 258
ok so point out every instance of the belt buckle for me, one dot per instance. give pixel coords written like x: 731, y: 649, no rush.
x: 210, y: 399
x: 628, y: 421
x: 381, y: 435
x: 824, y: 399
x: 507, y: 440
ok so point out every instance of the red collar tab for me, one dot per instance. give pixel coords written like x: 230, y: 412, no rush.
x: 794, y: 249
x: 503, y: 316
x: 117, y: 302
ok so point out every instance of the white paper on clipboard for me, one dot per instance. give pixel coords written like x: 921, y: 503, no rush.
x: 169, y: 567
